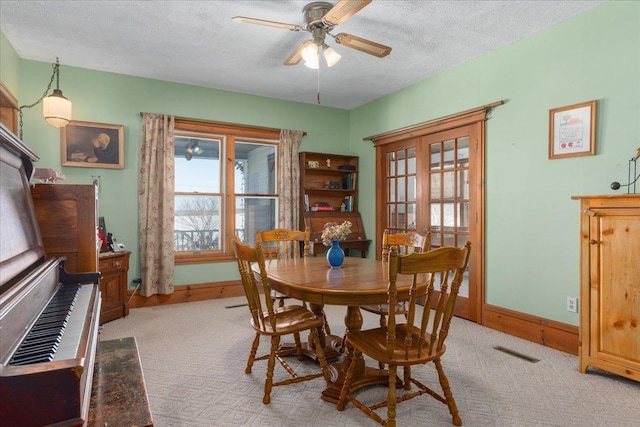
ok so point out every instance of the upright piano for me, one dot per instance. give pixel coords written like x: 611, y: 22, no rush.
x: 48, y: 317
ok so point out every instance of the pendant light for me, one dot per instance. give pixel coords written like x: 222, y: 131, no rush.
x: 56, y: 108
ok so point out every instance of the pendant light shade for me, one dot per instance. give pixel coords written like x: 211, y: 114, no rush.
x: 331, y: 56
x: 56, y: 109
x: 310, y: 55
x: 313, y: 63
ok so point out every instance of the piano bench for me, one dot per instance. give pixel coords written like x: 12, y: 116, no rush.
x: 118, y: 394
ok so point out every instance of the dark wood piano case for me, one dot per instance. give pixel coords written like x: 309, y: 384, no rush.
x: 55, y: 391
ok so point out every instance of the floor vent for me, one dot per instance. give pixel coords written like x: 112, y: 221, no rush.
x: 237, y: 305
x: 516, y: 354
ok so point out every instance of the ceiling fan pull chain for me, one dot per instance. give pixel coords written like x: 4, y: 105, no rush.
x: 318, y: 85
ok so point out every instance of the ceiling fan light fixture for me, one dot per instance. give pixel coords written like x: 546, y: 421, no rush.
x: 330, y: 55
x: 310, y: 52
x: 313, y: 63
x: 193, y: 148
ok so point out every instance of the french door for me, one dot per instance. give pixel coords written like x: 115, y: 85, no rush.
x: 433, y: 182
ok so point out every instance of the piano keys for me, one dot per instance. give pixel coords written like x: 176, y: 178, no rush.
x: 41, y: 343
x: 54, y: 335
x: 48, y: 317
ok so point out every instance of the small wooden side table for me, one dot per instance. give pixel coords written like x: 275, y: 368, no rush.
x: 113, y: 267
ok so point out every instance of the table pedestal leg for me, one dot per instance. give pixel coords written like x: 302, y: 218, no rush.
x: 364, y: 376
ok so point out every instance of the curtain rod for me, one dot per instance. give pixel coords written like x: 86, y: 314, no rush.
x: 211, y: 122
x: 486, y: 107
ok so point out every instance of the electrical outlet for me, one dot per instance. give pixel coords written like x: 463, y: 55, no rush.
x: 572, y: 304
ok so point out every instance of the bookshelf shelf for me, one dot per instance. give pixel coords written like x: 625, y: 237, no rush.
x: 328, y: 179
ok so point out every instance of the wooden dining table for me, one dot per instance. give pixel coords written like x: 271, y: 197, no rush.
x: 359, y: 281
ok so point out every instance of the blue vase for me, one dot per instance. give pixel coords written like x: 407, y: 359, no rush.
x: 335, y: 254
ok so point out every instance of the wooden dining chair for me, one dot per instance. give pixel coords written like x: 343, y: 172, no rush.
x: 418, y: 341
x: 281, y: 243
x: 274, y: 322
x: 284, y: 243
x: 407, y: 243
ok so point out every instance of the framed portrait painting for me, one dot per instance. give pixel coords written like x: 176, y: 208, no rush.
x: 572, y: 130
x: 92, y: 145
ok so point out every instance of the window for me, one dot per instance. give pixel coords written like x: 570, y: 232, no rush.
x: 225, y: 185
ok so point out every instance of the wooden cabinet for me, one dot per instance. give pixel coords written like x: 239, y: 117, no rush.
x: 610, y: 284
x: 328, y: 179
x: 67, y: 215
x: 114, y: 268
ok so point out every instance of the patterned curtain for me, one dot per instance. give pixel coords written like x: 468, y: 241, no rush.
x: 289, y: 179
x: 156, y: 204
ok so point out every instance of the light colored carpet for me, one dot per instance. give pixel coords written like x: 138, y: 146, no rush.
x: 194, y: 356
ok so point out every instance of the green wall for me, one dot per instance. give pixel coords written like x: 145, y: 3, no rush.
x: 9, y: 66
x: 119, y: 99
x: 532, y: 224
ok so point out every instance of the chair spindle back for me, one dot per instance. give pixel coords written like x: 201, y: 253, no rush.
x: 246, y: 256
x: 407, y: 243
x: 284, y: 243
x: 443, y: 269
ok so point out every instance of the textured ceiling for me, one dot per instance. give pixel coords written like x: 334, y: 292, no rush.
x: 195, y: 42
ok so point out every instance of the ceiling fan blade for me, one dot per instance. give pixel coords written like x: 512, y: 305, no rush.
x: 296, y: 55
x: 363, y: 45
x: 344, y: 10
x: 282, y: 25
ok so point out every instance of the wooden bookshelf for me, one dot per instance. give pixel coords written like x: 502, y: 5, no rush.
x: 330, y: 180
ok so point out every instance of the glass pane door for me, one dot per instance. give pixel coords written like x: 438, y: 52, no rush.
x: 400, y: 182
x: 453, y: 203
x: 449, y: 195
x: 434, y: 183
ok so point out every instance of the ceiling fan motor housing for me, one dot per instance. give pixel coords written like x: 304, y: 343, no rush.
x: 313, y: 14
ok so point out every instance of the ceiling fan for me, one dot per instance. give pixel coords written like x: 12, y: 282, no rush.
x: 320, y: 19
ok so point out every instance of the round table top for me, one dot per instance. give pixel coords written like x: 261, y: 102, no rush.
x: 360, y: 281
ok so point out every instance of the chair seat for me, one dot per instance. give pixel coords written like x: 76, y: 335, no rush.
x: 373, y: 343
x: 289, y: 319
x: 401, y: 308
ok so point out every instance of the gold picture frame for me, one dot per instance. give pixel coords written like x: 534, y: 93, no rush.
x: 572, y: 130
x: 92, y: 145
